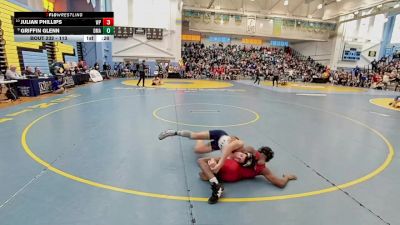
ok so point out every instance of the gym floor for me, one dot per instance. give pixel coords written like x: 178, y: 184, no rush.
x: 92, y: 156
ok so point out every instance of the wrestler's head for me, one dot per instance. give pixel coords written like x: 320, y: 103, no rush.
x: 239, y: 157
x: 267, y: 152
x: 250, y: 160
x: 244, y: 159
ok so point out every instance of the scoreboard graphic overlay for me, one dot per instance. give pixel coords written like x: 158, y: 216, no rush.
x: 64, y: 26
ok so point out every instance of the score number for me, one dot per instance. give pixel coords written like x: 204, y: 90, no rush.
x: 108, y: 26
x: 108, y: 21
x: 108, y: 30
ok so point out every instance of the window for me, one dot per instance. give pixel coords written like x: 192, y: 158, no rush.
x: 396, y: 31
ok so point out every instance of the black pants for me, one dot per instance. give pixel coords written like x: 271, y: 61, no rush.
x: 257, y: 79
x: 276, y: 78
x: 142, y: 77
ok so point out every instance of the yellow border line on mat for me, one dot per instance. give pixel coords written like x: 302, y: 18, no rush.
x: 257, y: 116
x: 184, y: 84
x: 202, y: 199
x: 376, y: 101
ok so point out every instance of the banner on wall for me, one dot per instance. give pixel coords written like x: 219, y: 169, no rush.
x: 252, y: 41
x: 225, y: 18
x: 277, y: 28
x: 238, y: 19
x: 190, y: 37
x: 251, y: 24
x: 217, y: 18
x: 286, y: 23
x: 277, y: 43
x: 206, y: 17
x: 196, y: 16
x: 219, y: 39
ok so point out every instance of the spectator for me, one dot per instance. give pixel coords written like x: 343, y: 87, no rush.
x: 37, y: 72
x: 58, y: 87
x: 374, y: 65
x: 28, y: 71
x: 12, y: 74
x: 96, y: 66
x: 106, y: 70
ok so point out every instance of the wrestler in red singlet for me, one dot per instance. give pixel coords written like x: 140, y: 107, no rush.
x: 232, y: 171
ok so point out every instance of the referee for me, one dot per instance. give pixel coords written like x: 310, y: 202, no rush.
x: 141, y: 68
x: 275, y: 78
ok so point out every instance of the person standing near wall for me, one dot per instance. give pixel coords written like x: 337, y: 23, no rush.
x: 106, y: 70
x: 257, y: 75
x: 275, y: 78
x: 141, y: 68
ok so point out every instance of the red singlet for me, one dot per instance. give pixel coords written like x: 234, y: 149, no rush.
x: 232, y: 171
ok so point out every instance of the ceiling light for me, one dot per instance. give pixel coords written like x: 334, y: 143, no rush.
x: 286, y: 2
x: 320, y: 6
x: 396, y: 6
x: 338, y: 0
x: 379, y: 6
x: 356, y: 13
x: 252, y: 0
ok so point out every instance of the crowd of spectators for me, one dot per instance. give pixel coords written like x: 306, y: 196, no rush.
x: 159, y: 69
x: 229, y: 62
x: 220, y: 61
x: 59, y: 70
x: 237, y: 62
x: 380, y: 74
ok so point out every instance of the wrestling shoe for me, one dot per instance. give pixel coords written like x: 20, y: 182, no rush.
x: 217, y: 190
x: 167, y: 133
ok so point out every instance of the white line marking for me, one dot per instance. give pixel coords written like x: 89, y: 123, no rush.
x: 320, y: 95
x: 23, y: 187
x: 380, y: 114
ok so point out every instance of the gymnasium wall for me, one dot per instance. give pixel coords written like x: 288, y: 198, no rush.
x: 263, y: 28
x: 23, y: 54
x: 319, y: 51
x: 367, y: 33
x: 138, y: 46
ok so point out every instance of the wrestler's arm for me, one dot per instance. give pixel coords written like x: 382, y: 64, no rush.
x: 206, y: 159
x: 227, y: 151
x: 205, y: 164
x: 278, y: 182
x: 250, y: 149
